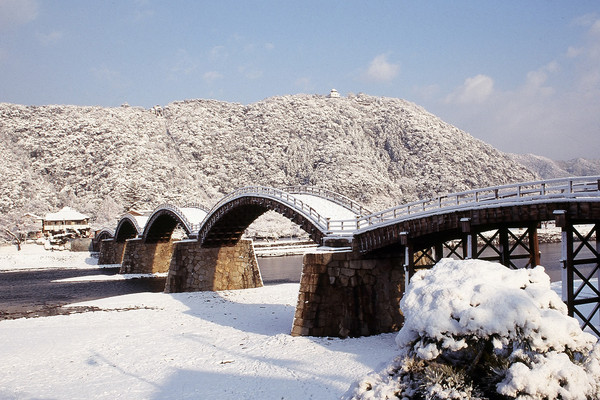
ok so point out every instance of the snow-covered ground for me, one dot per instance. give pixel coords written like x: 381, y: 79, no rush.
x: 225, y: 345
x: 230, y: 344
x: 34, y: 256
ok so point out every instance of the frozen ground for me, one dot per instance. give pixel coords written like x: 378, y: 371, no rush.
x: 225, y: 345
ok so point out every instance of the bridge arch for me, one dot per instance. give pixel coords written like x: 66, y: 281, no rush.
x: 312, y: 210
x: 104, y: 233
x: 129, y: 227
x: 165, y: 218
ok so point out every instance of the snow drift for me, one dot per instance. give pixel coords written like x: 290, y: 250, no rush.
x: 478, y: 330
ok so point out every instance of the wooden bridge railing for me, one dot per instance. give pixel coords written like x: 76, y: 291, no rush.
x: 340, y: 199
x: 553, y: 189
x: 567, y: 188
x: 196, y: 205
x: 281, y: 196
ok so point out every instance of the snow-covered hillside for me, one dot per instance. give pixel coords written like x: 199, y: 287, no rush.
x: 548, y: 169
x: 379, y: 151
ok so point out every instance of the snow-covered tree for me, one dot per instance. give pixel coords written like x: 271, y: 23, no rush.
x: 378, y: 151
x: 478, y: 330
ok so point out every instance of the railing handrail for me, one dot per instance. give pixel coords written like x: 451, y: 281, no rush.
x: 538, y: 190
x: 197, y: 205
x: 550, y: 189
x: 176, y: 210
x: 330, y: 195
x: 277, y: 194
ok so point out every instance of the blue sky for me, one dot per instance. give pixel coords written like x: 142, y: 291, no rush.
x: 523, y: 76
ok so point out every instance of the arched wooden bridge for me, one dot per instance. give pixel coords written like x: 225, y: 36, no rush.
x: 355, y: 289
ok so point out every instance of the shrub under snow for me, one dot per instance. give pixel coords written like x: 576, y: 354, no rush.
x: 478, y: 330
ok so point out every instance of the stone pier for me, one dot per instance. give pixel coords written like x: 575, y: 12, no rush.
x: 111, y: 252
x: 345, y: 294
x: 197, y: 268
x: 146, y: 258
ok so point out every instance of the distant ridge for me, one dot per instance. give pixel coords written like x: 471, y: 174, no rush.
x: 379, y: 151
x: 548, y: 169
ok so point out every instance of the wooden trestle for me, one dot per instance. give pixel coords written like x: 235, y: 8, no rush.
x: 516, y: 246
x: 581, y: 264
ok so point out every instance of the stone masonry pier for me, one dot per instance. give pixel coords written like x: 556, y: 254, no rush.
x: 228, y: 267
x: 146, y: 258
x: 347, y: 294
x: 111, y: 252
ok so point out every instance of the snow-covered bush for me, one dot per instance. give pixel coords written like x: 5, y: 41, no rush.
x: 478, y: 330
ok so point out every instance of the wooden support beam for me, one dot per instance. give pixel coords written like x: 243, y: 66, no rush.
x: 561, y: 219
x: 409, y: 259
x: 534, y: 245
x: 504, y: 246
x: 438, y: 251
x: 469, y: 239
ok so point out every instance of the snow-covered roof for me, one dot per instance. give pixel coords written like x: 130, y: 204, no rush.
x: 66, y: 214
x: 31, y: 215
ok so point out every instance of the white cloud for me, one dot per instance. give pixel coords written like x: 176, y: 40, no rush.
x: 218, y: 53
x: 51, y: 38
x: 111, y: 77
x: 381, y: 70
x: 474, y: 90
x: 211, y: 76
x: 586, y: 19
x: 595, y: 29
x: 184, y: 64
x: 142, y: 11
x: 573, y: 52
x: 535, y: 80
x: 17, y: 12
x: 249, y: 72
x: 552, y: 113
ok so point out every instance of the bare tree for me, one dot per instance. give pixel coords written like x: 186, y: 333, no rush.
x: 16, y: 238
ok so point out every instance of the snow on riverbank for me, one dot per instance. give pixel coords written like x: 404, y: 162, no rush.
x: 33, y: 256
x: 227, y: 345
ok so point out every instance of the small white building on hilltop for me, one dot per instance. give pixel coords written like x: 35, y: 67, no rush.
x: 333, y: 94
x: 67, y: 220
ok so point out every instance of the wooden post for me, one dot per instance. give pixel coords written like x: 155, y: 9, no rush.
x: 566, y: 258
x: 598, y: 252
x: 469, y: 240
x: 504, y: 246
x: 534, y: 246
x: 438, y: 248
x: 409, y: 259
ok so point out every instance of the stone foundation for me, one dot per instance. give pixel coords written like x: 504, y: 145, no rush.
x: 345, y: 294
x: 146, y: 258
x: 111, y: 252
x: 196, y: 268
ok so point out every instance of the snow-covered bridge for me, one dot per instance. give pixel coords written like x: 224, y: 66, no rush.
x: 319, y: 212
x: 356, y: 290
